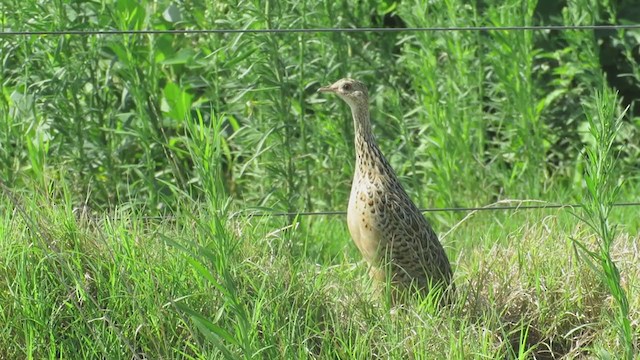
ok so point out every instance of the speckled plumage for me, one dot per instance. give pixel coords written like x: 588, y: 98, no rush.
x: 384, y: 223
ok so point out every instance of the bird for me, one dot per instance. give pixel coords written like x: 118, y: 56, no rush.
x: 391, y: 233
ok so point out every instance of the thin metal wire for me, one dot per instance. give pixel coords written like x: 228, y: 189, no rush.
x: 319, y: 30
x: 263, y: 213
x: 450, y: 209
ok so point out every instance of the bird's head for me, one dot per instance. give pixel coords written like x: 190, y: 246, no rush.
x: 352, y: 91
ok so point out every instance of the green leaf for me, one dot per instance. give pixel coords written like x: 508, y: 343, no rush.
x: 211, y: 331
x: 172, y: 14
x: 178, y: 102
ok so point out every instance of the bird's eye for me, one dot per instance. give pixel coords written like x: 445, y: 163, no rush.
x: 346, y: 87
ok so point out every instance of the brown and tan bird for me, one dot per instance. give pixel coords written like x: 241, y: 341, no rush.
x: 387, y: 227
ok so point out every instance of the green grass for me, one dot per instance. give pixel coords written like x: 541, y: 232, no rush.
x: 602, y: 192
x: 191, y: 288
x: 131, y: 165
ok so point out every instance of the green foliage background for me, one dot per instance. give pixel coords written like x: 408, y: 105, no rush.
x: 465, y: 117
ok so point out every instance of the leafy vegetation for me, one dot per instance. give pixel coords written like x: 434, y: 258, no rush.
x: 99, y: 134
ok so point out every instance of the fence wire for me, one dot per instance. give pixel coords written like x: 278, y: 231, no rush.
x: 447, y: 209
x: 8, y: 33
x: 249, y: 213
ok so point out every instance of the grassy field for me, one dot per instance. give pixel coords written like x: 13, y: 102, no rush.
x: 136, y: 169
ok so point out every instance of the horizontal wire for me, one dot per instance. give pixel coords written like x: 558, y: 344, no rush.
x: 319, y: 30
x: 450, y: 209
x: 249, y: 214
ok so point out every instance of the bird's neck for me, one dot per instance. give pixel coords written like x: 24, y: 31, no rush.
x: 362, y: 128
x: 368, y: 155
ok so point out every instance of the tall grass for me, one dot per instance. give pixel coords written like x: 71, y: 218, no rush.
x: 602, y: 190
x: 455, y: 112
x: 447, y: 124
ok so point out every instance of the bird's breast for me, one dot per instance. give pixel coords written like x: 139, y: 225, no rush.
x: 364, y: 217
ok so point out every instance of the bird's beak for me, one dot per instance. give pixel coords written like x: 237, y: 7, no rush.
x: 326, y: 89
